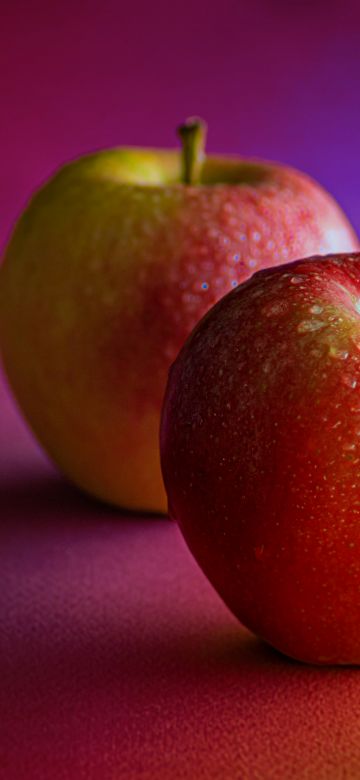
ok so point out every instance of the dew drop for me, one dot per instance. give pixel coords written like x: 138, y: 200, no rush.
x: 310, y: 325
x: 274, y: 308
x: 349, y: 381
x: 341, y: 354
x: 316, y: 309
x: 297, y: 279
x: 205, y: 286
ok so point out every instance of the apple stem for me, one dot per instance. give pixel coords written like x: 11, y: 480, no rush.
x: 193, y: 136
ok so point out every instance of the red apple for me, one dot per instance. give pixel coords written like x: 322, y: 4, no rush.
x: 260, y: 444
x: 112, y: 264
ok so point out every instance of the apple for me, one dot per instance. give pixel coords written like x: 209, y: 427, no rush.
x: 111, y: 265
x: 260, y: 449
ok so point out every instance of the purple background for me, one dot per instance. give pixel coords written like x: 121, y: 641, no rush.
x: 117, y: 660
x: 273, y: 78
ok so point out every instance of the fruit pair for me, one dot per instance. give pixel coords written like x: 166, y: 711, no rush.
x: 109, y: 269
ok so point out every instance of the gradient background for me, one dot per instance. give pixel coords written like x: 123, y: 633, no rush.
x: 273, y: 78
x: 117, y: 660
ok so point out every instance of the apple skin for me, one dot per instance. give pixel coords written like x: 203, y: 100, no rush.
x: 260, y: 449
x: 108, y: 270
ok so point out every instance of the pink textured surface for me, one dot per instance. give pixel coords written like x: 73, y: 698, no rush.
x: 119, y: 661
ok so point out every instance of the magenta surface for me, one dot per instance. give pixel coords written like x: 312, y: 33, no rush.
x: 117, y: 660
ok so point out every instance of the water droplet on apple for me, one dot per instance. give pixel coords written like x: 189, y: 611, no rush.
x: 297, y: 279
x: 310, y: 325
x: 275, y: 308
x: 341, y: 354
x: 349, y: 381
x: 256, y: 236
x: 316, y: 309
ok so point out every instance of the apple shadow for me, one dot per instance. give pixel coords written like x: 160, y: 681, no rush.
x: 36, y: 503
x: 146, y: 663
x: 41, y: 499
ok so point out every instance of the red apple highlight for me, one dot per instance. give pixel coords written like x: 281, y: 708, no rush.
x: 112, y: 264
x: 260, y: 445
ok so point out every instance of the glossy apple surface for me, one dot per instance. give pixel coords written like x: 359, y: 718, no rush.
x: 260, y: 444
x: 110, y: 267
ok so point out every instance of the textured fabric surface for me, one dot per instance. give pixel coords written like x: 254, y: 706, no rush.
x: 117, y: 659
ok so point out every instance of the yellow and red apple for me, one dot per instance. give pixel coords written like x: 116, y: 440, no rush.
x: 111, y: 265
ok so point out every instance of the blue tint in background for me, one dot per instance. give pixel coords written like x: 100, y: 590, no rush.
x: 274, y: 78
